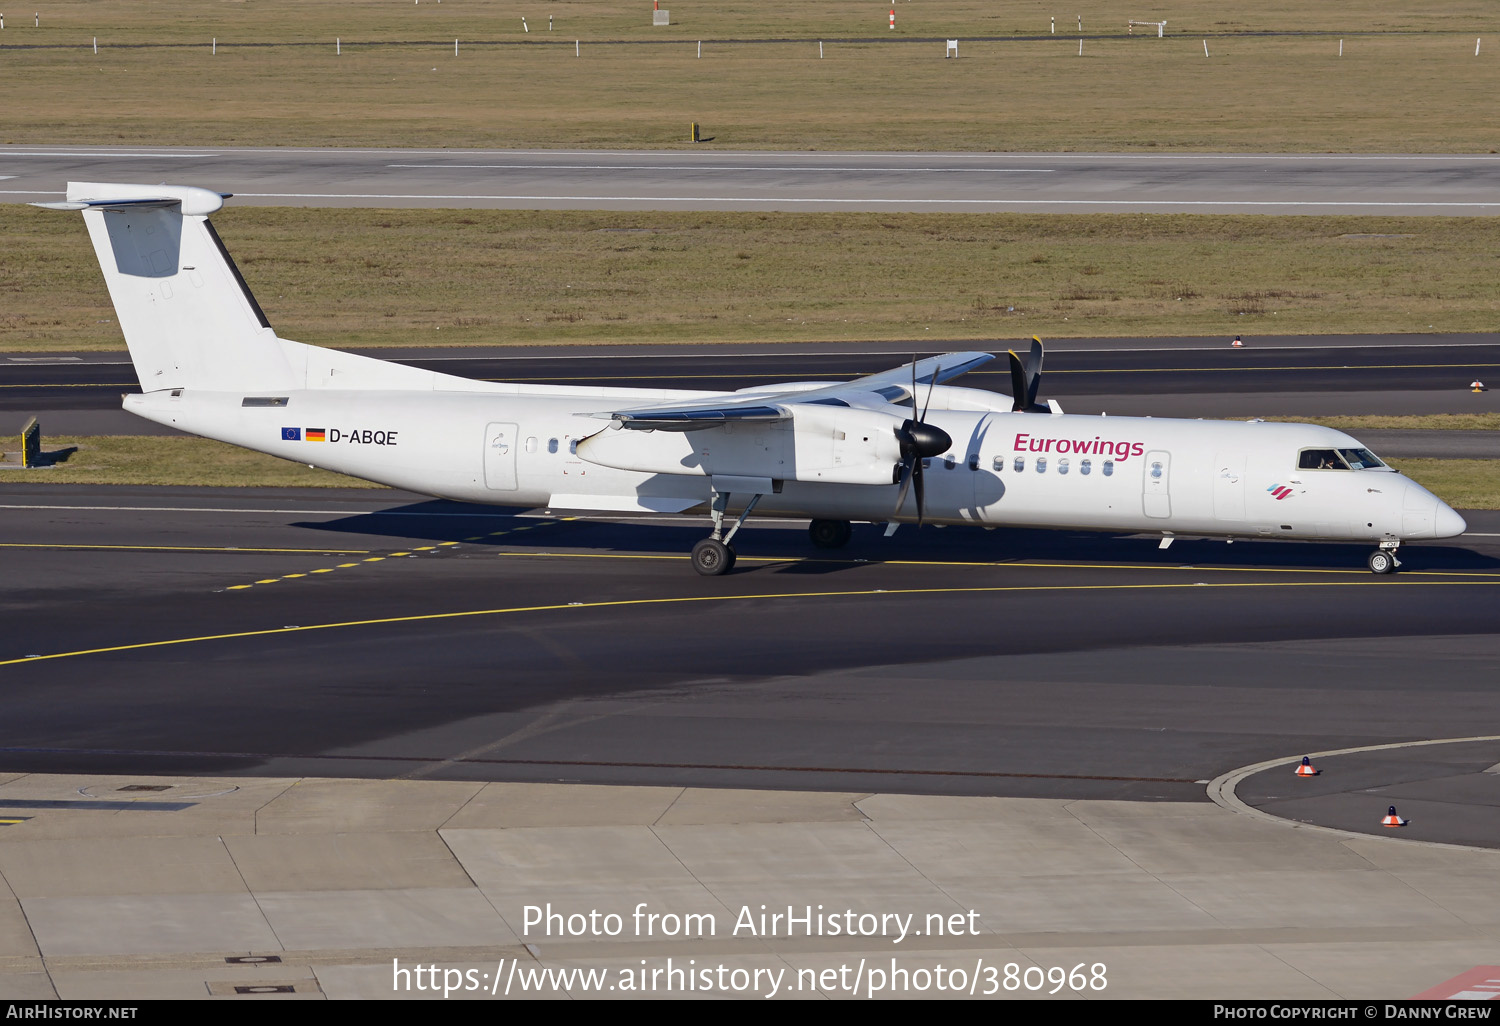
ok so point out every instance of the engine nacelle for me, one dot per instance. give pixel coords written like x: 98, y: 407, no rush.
x: 833, y: 444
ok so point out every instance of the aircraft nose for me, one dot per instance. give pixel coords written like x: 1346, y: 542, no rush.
x: 1447, y: 523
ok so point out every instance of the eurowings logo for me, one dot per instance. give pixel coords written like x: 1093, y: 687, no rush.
x: 1281, y: 491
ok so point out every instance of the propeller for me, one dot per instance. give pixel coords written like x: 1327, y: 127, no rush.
x: 1025, y: 376
x: 919, y: 441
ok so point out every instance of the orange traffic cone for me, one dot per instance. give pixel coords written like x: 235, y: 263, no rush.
x: 1237, y: 343
x: 1392, y: 820
x: 1477, y: 386
x: 1307, y: 769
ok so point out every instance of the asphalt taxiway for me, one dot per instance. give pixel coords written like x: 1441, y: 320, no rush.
x: 370, y: 633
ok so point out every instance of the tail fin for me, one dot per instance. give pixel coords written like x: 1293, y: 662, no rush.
x: 187, y: 315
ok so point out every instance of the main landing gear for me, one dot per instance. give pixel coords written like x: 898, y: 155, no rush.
x: 1383, y: 560
x: 830, y: 534
x: 714, y: 555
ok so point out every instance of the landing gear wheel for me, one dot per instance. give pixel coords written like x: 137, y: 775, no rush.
x: 1382, y: 562
x: 830, y: 534
x: 712, y: 557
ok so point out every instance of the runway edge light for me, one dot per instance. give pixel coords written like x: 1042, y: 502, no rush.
x: 1391, y: 819
x: 1306, y: 769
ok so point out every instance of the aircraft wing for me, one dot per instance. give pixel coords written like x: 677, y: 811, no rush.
x: 887, y: 386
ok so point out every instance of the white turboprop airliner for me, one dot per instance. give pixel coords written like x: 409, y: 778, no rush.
x: 895, y: 447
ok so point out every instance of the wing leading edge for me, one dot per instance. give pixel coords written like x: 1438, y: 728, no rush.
x: 887, y: 386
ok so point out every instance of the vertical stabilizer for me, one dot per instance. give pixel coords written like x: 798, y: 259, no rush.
x: 186, y: 313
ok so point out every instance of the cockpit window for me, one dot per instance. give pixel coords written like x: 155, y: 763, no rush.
x: 1361, y: 459
x: 1321, y: 459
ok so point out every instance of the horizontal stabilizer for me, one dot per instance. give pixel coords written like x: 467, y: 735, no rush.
x: 108, y: 196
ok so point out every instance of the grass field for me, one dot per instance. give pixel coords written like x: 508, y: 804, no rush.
x: 1428, y: 422
x: 170, y: 460
x: 157, y: 460
x: 1408, y: 80
x: 348, y: 277
x: 1462, y: 484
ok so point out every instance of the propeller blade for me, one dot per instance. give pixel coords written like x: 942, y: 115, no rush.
x: 1017, y: 383
x: 1026, y: 379
x: 1033, y: 370
x: 907, y: 473
x: 930, y: 385
x: 921, y: 491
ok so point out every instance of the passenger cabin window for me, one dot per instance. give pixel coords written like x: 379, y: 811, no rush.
x: 551, y: 445
x: 949, y: 462
x: 1156, y: 470
x: 1062, y: 466
x: 1109, y: 467
x: 573, y: 446
x: 1020, y: 464
x: 1084, y: 466
x: 999, y: 464
x: 1041, y: 464
x: 531, y: 444
x: 973, y: 461
x: 1321, y: 459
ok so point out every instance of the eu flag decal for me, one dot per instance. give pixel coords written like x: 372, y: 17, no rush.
x: 291, y: 434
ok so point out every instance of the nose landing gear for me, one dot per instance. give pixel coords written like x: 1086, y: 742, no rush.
x: 1383, y: 560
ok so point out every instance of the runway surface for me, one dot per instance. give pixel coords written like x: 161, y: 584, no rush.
x: 704, y: 180
x: 376, y: 634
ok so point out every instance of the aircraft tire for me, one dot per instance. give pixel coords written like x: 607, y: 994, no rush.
x: 1381, y: 562
x: 712, y: 558
x: 830, y: 534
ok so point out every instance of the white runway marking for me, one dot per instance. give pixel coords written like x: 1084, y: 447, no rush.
x: 725, y: 167
x: 846, y: 200
x: 279, y: 512
x: 608, y: 517
x: 111, y: 154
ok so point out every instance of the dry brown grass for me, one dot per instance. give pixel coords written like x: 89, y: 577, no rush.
x: 170, y: 460
x: 1427, y: 422
x: 1408, y: 79
x: 1462, y: 484
x: 350, y: 277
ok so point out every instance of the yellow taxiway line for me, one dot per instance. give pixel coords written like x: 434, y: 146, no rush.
x: 697, y: 599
